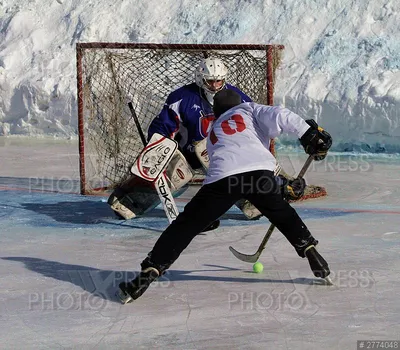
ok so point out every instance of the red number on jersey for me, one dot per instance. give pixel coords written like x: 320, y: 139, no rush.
x: 240, y: 125
x: 227, y: 129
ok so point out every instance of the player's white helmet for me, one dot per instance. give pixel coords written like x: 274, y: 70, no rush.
x: 211, y: 69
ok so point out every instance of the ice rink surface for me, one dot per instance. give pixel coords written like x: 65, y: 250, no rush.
x: 62, y: 256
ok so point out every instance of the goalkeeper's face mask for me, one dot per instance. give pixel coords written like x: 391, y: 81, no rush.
x: 214, y: 85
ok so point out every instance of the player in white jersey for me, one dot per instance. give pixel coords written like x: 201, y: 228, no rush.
x: 241, y: 166
x: 239, y: 141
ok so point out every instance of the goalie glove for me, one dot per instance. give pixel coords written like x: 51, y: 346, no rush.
x: 292, y: 189
x: 316, y: 141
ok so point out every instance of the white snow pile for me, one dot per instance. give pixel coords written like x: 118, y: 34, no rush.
x: 341, y: 62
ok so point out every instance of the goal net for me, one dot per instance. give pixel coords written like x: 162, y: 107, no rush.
x: 109, y: 75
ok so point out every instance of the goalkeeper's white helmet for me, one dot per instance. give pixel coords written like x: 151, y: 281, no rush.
x: 211, y: 69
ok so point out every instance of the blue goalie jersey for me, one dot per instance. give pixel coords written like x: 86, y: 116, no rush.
x: 187, y: 117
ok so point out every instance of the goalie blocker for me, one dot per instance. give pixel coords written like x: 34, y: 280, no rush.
x: 159, y: 169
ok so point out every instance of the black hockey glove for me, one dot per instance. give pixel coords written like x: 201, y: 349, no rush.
x: 292, y: 189
x: 316, y: 141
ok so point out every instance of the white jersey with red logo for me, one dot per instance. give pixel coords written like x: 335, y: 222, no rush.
x: 240, y: 138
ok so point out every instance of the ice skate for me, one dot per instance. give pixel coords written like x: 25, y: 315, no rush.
x: 318, y: 264
x: 132, y: 290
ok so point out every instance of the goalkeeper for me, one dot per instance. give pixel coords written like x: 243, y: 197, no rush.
x: 187, y: 114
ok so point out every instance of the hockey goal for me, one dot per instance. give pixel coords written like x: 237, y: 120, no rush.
x: 109, y: 75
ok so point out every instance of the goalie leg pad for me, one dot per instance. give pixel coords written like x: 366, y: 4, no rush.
x: 128, y: 203
x: 136, y: 196
x: 122, y: 211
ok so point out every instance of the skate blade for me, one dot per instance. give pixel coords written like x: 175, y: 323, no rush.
x: 123, y: 297
x: 328, y: 281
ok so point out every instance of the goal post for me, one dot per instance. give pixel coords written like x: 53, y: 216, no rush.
x: 109, y: 75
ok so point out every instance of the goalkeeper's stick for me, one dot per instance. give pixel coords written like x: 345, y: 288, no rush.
x: 254, y: 257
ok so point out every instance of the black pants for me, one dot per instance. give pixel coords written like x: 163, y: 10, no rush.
x: 213, y: 200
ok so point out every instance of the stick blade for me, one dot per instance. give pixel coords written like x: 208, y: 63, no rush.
x: 244, y: 257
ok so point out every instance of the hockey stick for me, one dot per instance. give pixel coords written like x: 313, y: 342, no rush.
x: 160, y: 184
x: 254, y: 257
x: 138, y: 126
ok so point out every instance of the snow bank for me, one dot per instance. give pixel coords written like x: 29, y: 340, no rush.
x: 341, y: 63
